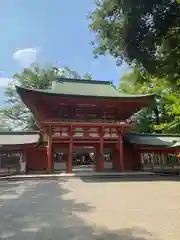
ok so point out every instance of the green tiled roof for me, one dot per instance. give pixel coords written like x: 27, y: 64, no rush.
x: 85, y: 88
x: 163, y: 140
x: 18, y: 138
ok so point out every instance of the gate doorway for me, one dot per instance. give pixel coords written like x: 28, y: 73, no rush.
x: 84, y: 158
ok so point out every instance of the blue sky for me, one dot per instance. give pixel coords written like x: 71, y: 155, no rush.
x: 50, y: 32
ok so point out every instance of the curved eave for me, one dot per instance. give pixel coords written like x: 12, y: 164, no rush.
x: 150, y: 140
x: 22, y: 90
x: 153, y: 134
x: 17, y: 146
x: 156, y: 147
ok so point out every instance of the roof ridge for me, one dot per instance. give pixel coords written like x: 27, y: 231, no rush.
x: 76, y: 80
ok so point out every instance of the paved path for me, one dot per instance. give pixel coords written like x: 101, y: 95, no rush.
x: 89, y: 209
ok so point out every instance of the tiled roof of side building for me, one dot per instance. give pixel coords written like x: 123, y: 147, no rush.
x: 18, y: 138
x: 163, y: 140
x: 84, y: 88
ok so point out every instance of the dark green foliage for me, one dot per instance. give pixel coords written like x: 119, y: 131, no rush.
x: 143, y: 33
x: 153, y: 117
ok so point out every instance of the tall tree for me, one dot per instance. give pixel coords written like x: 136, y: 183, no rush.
x: 143, y: 33
x: 16, y: 114
x: 154, y: 114
x: 172, y: 110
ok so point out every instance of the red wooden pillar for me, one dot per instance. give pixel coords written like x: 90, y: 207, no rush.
x: 120, y: 148
x: 70, y: 149
x: 49, y: 151
x: 100, y: 153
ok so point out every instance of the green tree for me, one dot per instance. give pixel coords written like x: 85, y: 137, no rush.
x: 16, y: 114
x: 154, y: 114
x: 143, y: 33
x: 134, y: 82
x: 67, y: 72
x: 172, y: 110
x: 87, y: 76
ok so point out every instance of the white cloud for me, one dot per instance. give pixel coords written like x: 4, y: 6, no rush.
x: 4, y: 81
x: 26, y: 56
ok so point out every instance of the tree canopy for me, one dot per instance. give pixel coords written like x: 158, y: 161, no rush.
x: 162, y: 115
x: 143, y: 33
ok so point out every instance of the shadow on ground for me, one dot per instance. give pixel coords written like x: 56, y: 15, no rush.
x: 43, y: 210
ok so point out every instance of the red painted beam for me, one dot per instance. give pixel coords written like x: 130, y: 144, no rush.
x: 86, y: 124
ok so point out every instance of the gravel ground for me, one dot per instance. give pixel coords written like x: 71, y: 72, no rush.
x: 84, y: 209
